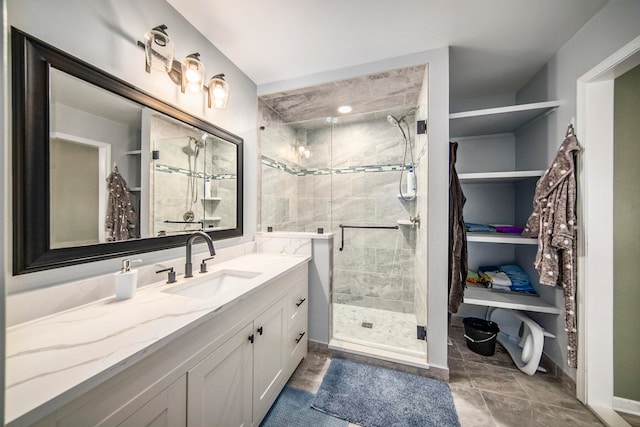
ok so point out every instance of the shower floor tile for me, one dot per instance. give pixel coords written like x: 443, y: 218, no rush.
x: 375, y: 326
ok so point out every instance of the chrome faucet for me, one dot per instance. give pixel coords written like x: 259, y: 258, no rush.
x: 188, y: 267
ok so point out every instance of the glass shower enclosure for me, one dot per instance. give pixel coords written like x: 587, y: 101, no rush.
x: 347, y: 175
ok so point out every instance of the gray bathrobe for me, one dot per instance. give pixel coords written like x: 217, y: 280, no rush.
x: 457, y: 235
x: 120, y: 213
x: 553, y: 223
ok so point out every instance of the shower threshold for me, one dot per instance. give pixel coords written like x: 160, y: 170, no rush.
x: 390, y: 354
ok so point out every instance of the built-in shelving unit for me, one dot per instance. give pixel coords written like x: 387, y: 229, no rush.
x: 489, y: 298
x: 475, y: 127
x: 498, y: 120
x: 512, y: 239
x: 499, y: 177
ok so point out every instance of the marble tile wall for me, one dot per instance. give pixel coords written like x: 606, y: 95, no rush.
x: 351, y: 178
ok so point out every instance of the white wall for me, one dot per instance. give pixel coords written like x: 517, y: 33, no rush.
x: 104, y: 33
x: 614, y: 26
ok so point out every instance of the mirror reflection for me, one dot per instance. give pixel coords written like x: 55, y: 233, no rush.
x: 121, y: 171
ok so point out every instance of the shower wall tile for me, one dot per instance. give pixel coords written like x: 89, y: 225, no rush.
x: 311, y: 209
x: 358, y: 300
x: 408, y: 288
x: 353, y: 210
x: 356, y: 259
x: 382, y: 286
x: 395, y: 261
x: 393, y: 305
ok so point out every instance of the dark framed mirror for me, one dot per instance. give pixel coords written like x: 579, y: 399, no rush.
x: 76, y: 129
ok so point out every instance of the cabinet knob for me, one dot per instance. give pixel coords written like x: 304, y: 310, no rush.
x: 300, y: 337
x: 259, y: 330
x: 251, y: 337
x: 299, y: 303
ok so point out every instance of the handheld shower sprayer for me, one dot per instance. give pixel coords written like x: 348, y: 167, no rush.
x: 397, y: 122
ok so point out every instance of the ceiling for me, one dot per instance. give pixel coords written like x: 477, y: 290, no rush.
x: 496, y: 45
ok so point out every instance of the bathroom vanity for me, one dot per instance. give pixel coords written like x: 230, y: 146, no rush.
x: 212, y: 350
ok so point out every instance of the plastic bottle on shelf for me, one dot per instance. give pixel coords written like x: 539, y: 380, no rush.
x: 411, y: 182
x: 207, y: 187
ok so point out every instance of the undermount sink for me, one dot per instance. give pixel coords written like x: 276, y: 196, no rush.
x: 212, y: 285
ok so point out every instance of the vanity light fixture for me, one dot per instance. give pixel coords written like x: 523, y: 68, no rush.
x: 218, y: 91
x: 159, y: 49
x: 190, y: 74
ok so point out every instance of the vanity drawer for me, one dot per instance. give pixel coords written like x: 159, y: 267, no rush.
x: 298, y: 303
x: 297, y: 342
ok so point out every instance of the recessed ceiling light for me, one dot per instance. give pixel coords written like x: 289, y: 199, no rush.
x: 344, y: 109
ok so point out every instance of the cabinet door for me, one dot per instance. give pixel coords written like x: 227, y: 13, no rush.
x: 167, y: 409
x: 269, y: 358
x: 219, y: 387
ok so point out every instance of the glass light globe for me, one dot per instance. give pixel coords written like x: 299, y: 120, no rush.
x: 193, y: 73
x: 159, y: 49
x: 218, y: 91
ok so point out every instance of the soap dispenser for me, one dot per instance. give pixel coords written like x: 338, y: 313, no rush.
x: 126, y: 280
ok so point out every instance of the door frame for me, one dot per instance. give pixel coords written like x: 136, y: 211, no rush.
x: 595, y: 97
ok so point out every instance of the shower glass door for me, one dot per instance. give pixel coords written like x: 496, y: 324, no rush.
x: 374, y: 267
x: 347, y: 171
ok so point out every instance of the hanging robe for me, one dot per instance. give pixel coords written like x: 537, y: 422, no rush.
x: 120, y: 212
x: 553, y: 223
x: 458, y: 266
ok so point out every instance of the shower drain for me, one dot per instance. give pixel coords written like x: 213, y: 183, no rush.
x: 367, y: 325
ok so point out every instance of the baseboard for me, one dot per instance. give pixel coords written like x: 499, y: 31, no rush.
x: 627, y: 406
x: 608, y: 416
x: 567, y: 382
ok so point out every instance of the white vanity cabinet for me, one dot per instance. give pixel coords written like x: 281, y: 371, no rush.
x: 220, y: 387
x: 238, y: 382
x: 226, y: 371
x: 167, y: 409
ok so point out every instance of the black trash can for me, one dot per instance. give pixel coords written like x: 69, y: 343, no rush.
x: 481, y: 335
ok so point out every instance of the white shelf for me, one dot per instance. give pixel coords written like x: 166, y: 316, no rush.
x: 514, y: 301
x: 497, y: 120
x: 133, y: 152
x: 212, y: 219
x: 498, y: 177
x: 211, y: 199
x: 513, y: 239
x: 405, y: 222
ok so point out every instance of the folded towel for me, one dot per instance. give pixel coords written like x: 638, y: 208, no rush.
x: 473, y: 227
x: 498, y: 278
x: 511, y: 229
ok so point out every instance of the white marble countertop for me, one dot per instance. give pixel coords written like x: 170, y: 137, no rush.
x: 52, y: 360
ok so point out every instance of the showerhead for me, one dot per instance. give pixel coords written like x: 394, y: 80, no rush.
x: 393, y: 120
x: 202, y: 141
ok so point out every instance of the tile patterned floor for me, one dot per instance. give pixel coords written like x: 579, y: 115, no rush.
x: 487, y: 391
x: 389, y: 328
